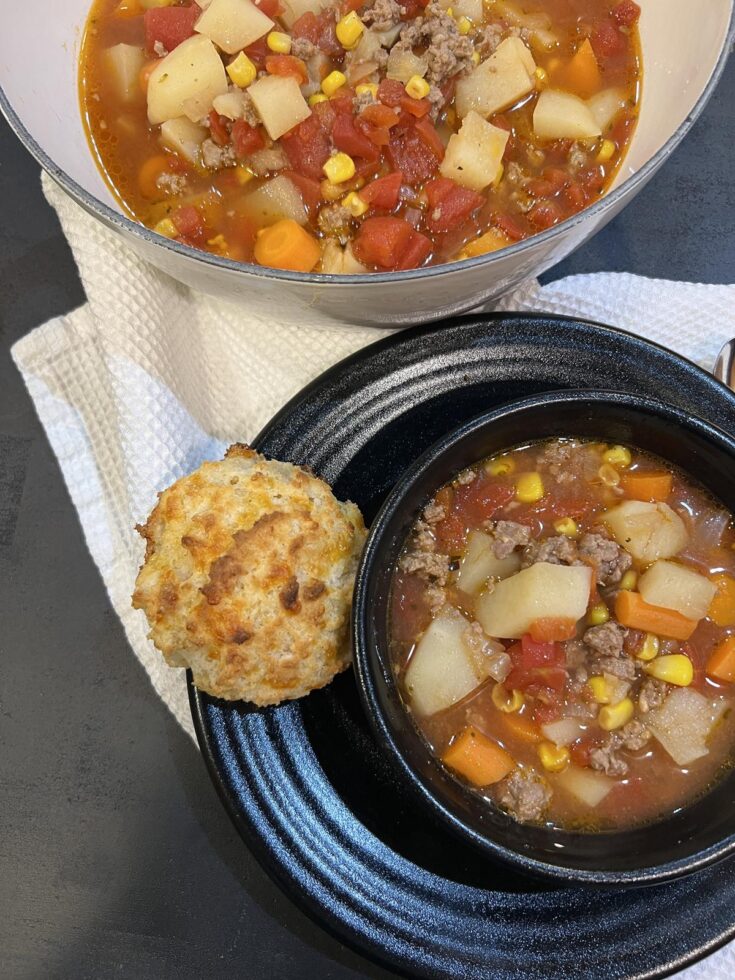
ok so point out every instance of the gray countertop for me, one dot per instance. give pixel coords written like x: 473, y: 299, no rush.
x: 116, y: 857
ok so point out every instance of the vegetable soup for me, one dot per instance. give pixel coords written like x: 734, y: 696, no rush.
x: 562, y: 633
x: 363, y: 135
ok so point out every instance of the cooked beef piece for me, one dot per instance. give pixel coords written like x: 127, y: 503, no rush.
x: 267, y: 161
x: 524, y: 794
x: 428, y: 565
x: 632, y: 737
x: 558, y: 457
x: 216, y: 157
x: 556, y: 551
x: 576, y: 653
x: 334, y: 220
x: 507, y: 536
x: 302, y: 48
x: 383, y: 14
x: 448, y: 53
x: 606, y: 640
x: 652, y: 694
x: 610, y: 560
x: 623, y: 667
x: 433, y: 513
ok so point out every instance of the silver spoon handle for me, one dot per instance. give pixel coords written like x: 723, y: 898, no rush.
x: 724, y: 369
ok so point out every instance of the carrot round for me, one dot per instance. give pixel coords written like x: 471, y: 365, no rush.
x: 285, y: 245
x: 477, y: 758
x: 581, y: 73
x: 149, y: 173
x: 633, y: 611
x: 721, y: 663
x: 650, y: 487
x: 552, y: 629
x: 722, y: 607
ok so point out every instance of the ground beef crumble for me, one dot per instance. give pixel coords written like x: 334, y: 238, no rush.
x: 652, y: 694
x: 217, y: 157
x: 509, y: 535
x: 334, y: 220
x: 267, y: 161
x: 382, y: 15
x: 605, y: 758
x: 448, y: 53
x: 610, y: 560
x: 524, y: 794
x: 556, y: 551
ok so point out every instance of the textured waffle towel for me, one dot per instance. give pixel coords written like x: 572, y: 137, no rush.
x: 149, y: 379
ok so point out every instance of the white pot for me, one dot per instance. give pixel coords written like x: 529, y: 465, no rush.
x: 685, y: 46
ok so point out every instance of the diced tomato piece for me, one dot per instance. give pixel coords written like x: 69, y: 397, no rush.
x: 430, y: 137
x: 607, y: 41
x: 540, y: 652
x: 416, y: 252
x: 321, y: 31
x: 412, y: 8
x: 218, y: 128
x: 189, y: 222
x: 384, y: 192
x: 545, y: 214
x: 415, y: 107
x: 379, y: 115
x: 536, y: 666
x: 311, y: 191
x: 308, y: 146
x: 449, y: 204
x: 258, y: 51
x: 509, y: 226
x: 348, y: 138
x: 409, y: 153
x: 545, y: 711
x: 382, y: 241
x: 271, y: 8
x: 391, y: 92
x: 347, y: 6
x: 246, y: 139
x: 581, y: 750
x: 169, y: 26
x: 287, y: 66
x: 626, y: 13
x: 575, y: 196
x: 479, y: 500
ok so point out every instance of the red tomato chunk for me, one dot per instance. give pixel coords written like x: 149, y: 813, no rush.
x: 169, y: 26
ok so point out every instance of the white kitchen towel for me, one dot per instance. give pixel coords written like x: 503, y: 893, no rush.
x: 149, y: 379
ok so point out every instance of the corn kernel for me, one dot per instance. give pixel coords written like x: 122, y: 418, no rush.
x: 219, y: 242
x: 506, y: 702
x: 529, y: 488
x: 333, y: 82
x: 629, y: 581
x: 542, y: 78
x: 464, y: 25
x: 417, y: 87
x: 242, y: 71
x: 606, y: 151
x: 499, y: 175
x: 674, y: 669
x: 331, y: 192
x: 609, y: 475
x: 649, y: 647
x: 600, y: 690
x: 317, y: 97
x: 339, y: 168
x: 354, y: 204
x: 366, y: 87
x: 475, y: 58
x: 500, y: 466
x: 618, y: 456
x: 614, y: 716
x: 279, y: 42
x: 553, y: 758
x: 167, y: 228
x: 450, y: 11
x: 243, y: 174
x: 349, y: 30
x: 598, y: 614
x: 566, y: 526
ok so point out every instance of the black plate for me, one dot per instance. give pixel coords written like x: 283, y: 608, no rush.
x: 315, y: 797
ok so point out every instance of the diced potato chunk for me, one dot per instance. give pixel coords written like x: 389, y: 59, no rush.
x: 403, y: 65
x: 563, y: 732
x: 231, y: 104
x: 277, y: 198
x: 184, y: 137
x: 561, y: 115
x: 465, y: 8
x: 441, y: 670
x: 339, y: 261
x: 279, y: 103
x: 186, y: 82
x: 588, y: 787
x: 606, y: 105
x: 498, y: 82
x: 233, y: 24
x: 543, y: 591
x: 683, y: 723
x: 479, y: 563
x: 293, y: 9
x: 124, y: 63
x: 674, y: 586
x: 647, y: 531
x: 474, y: 154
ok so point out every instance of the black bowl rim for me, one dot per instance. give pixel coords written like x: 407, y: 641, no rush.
x: 369, y: 676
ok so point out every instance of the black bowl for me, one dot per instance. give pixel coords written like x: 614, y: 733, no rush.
x: 691, y: 838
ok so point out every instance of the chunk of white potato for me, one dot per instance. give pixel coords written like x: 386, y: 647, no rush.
x: 563, y: 732
x: 233, y: 24
x: 441, y: 670
x: 588, y: 787
x: 606, y: 105
x: 674, y: 586
x: 124, y: 63
x: 536, y: 24
x: 474, y: 155
x: 465, y: 8
x: 501, y: 80
x: 543, y: 591
x: 403, y: 65
x: 184, y: 137
x: 279, y: 103
x: 480, y: 564
x: 277, y: 198
x: 647, y: 531
x: 561, y: 115
x: 186, y: 82
x: 231, y: 104
x: 339, y: 261
x: 293, y: 9
x: 683, y: 723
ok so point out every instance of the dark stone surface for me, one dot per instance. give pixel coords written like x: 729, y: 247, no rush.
x: 116, y: 857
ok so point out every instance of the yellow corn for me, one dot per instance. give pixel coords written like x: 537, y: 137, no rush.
x: 464, y: 25
x: 609, y: 475
x: 500, y: 466
x: 542, y: 78
x: 674, y: 669
x: 370, y: 87
x: 600, y: 690
x: 606, y: 151
x: 554, y: 758
x: 242, y: 71
x: 475, y: 58
x: 167, y: 228
x: 649, y: 647
x: 598, y: 614
x: 629, y: 580
x: 614, y: 716
x: 317, y: 97
x: 354, y: 204
x: 618, y: 456
x: 529, y: 488
x: 331, y: 192
x: 450, y: 11
x: 349, y: 30
x: 278, y: 42
x: 333, y: 82
x: 566, y: 526
x: 506, y: 702
x: 417, y: 87
x: 339, y: 168
x: 499, y: 175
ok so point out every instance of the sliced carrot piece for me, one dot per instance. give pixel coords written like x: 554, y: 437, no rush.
x: 522, y: 727
x: 647, y: 486
x: 476, y: 757
x: 722, y: 607
x: 633, y: 611
x: 582, y: 72
x: 552, y: 629
x: 721, y: 663
x: 149, y: 173
x: 285, y: 245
